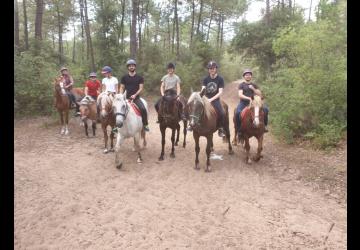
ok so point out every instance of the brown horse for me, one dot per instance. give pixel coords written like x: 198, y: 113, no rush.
x: 62, y: 103
x: 107, y: 118
x: 252, y: 124
x: 203, y: 120
x: 88, y: 112
x: 169, y: 117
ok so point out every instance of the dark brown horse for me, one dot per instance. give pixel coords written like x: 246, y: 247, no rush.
x: 62, y: 103
x: 169, y: 117
x: 107, y: 118
x: 203, y: 120
x: 252, y: 124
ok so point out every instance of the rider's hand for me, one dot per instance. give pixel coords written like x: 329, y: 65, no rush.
x: 251, y: 87
x: 132, y: 97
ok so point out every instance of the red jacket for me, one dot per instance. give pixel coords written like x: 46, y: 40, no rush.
x: 93, y: 87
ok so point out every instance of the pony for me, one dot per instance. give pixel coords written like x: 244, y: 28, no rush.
x: 107, y: 118
x: 62, y: 103
x: 129, y: 124
x: 203, y: 120
x: 252, y: 124
x: 88, y: 112
x: 169, y: 117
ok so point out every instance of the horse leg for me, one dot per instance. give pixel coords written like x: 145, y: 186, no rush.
x: 112, y: 141
x: 143, y: 137
x: 162, y: 129
x: 185, y: 131
x: 259, y: 149
x: 62, y: 123
x: 197, y: 150
x: 66, y: 122
x: 86, y: 128
x: 137, y: 146
x: 227, y: 133
x: 178, y: 134
x: 247, y: 148
x: 234, y: 141
x: 208, y: 151
x: 119, y: 141
x: 172, y: 154
x: 93, y: 127
x: 105, y: 139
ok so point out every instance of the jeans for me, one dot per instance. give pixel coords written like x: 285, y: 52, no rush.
x: 240, y: 107
x: 220, y: 112
x: 141, y: 106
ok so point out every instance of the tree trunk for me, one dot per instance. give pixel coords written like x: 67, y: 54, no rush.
x: 267, y: 12
x: 60, y: 32
x: 192, y: 21
x: 177, y: 30
x: 26, y: 34
x: 199, y: 19
x: 133, y: 42
x: 140, y: 21
x: 38, y: 19
x: 208, y: 30
x: 122, y: 24
x: 17, y: 29
x: 88, y: 38
x: 222, y: 31
x: 310, y: 10
x: 218, y: 32
x: 74, y: 45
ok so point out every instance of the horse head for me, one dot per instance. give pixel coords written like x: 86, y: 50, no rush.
x: 84, y: 107
x: 120, y: 109
x: 256, y: 112
x: 195, y: 108
x: 105, y: 103
x: 59, y: 86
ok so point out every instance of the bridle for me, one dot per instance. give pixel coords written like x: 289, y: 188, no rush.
x: 126, y: 111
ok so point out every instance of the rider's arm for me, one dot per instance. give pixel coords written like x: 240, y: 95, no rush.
x: 178, y: 90
x: 256, y: 91
x: 141, y: 87
x: 162, y: 88
x: 217, y: 95
x: 242, y: 96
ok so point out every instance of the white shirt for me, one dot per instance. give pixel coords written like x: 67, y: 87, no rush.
x: 110, y: 83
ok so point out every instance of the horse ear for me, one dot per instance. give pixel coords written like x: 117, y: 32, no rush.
x: 191, y: 89
x: 124, y: 93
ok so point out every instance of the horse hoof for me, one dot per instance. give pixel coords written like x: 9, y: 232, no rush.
x: 139, y: 161
x: 184, y: 145
x: 172, y: 155
x: 197, y: 168
x: 249, y: 161
x: 161, y: 158
x: 112, y: 150
x: 106, y: 151
x: 66, y: 132
x: 119, y: 166
x: 176, y: 144
x: 231, y: 152
x: 207, y: 170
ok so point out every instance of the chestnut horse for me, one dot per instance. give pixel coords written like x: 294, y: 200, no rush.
x: 169, y: 117
x: 203, y: 120
x: 107, y: 118
x: 252, y: 124
x: 62, y: 102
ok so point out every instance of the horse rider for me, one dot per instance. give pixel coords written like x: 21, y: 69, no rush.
x: 134, y: 84
x: 247, y: 90
x: 109, y: 83
x: 213, y: 86
x: 68, y: 82
x: 170, y: 84
x: 92, y: 88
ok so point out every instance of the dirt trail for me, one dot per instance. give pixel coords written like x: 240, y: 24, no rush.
x: 69, y: 195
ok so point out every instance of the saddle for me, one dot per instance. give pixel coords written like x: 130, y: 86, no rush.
x: 135, y: 108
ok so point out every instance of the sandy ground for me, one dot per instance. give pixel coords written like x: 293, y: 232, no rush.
x: 69, y: 195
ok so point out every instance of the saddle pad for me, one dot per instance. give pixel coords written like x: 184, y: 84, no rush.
x: 244, y: 112
x: 136, y: 109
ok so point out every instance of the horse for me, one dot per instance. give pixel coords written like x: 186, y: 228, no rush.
x: 88, y: 112
x: 252, y: 124
x: 107, y: 118
x: 129, y: 124
x: 169, y: 117
x: 203, y: 120
x: 62, y: 103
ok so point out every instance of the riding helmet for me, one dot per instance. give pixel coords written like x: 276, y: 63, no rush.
x: 106, y: 69
x: 247, y: 71
x: 92, y: 74
x: 212, y: 64
x: 130, y: 62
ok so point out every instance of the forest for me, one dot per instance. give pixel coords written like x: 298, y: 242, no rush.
x: 299, y: 63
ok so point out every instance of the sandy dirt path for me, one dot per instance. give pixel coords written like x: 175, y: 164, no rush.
x: 69, y: 195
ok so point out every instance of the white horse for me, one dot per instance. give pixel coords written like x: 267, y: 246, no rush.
x: 128, y: 124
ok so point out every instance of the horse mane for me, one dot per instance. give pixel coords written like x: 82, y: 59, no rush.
x: 195, y: 96
x: 87, y: 100
x: 256, y: 102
